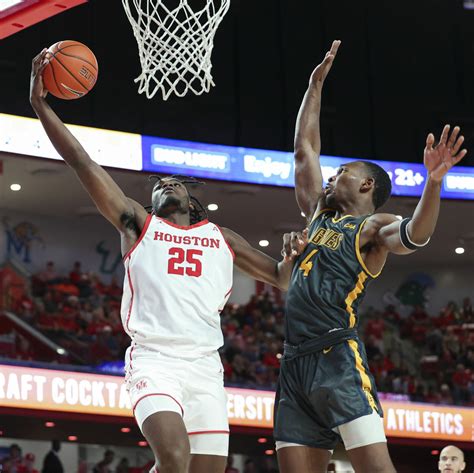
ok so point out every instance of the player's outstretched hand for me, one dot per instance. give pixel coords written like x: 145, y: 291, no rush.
x: 441, y: 158
x: 37, y: 88
x: 321, y: 71
x: 294, y: 244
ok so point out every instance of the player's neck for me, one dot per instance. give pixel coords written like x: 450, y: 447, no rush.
x: 353, y: 208
x: 177, y: 218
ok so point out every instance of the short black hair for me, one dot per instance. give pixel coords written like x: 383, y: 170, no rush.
x: 383, y: 184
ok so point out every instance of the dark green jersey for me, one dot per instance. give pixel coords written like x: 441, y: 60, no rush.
x: 329, y: 279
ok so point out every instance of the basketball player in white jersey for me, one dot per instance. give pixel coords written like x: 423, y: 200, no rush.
x: 178, y: 278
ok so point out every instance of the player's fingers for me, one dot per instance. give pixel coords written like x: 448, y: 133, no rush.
x: 334, y: 47
x: 286, y: 251
x: 296, y: 244
x: 457, y: 145
x: 430, y: 141
x: 444, y: 134
x: 453, y: 136
x: 460, y: 156
x: 37, y: 60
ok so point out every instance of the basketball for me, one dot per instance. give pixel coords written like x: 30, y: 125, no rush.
x: 72, y: 70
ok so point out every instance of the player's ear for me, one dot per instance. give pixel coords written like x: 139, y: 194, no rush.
x: 367, y: 184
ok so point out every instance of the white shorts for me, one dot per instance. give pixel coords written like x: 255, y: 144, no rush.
x: 360, y: 432
x: 193, y: 389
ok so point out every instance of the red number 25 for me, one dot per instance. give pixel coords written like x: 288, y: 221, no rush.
x: 179, y: 256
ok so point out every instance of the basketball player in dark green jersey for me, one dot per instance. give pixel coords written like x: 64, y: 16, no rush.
x: 326, y: 393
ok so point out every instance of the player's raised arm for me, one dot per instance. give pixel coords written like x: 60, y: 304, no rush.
x: 308, y: 177
x: 412, y: 233
x: 262, y: 267
x: 108, y: 197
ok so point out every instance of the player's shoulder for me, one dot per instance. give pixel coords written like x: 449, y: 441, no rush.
x: 381, y: 219
x: 320, y: 214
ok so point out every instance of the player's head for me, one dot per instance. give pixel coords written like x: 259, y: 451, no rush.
x: 359, y: 180
x: 170, y: 195
x: 451, y: 460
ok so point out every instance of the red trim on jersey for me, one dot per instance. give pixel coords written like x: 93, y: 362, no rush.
x: 209, y: 432
x: 228, y: 292
x: 158, y: 394
x: 140, y: 238
x: 227, y: 243
x: 131, y: 298
x: 131, y: 352
x: 190, y: 227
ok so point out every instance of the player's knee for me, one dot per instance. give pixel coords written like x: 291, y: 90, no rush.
x: 174, y: 459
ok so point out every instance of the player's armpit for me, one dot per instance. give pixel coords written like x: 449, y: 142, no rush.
x: 256, y: 264
x: 383, y: 232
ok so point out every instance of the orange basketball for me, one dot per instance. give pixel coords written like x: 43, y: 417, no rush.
x: 72, y: 70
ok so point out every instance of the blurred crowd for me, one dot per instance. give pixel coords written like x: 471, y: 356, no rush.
x: 428, y: 357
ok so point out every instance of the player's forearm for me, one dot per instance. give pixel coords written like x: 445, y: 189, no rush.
x: 283, y: 274
x: 62, y: 139
x: 307, y: 133
x: 425, y: 217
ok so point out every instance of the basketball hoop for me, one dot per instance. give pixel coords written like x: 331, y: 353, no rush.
x: 175, y: 44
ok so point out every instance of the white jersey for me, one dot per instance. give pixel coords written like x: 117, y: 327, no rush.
x: 177, y: 281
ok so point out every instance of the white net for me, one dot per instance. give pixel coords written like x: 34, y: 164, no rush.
x: 175, y: 44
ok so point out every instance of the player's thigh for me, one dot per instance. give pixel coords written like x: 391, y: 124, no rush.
x: 207, y: 464
x: 374, y: 458
x: 166, y: 434
x: 205, y: 407
x: 298, y: 458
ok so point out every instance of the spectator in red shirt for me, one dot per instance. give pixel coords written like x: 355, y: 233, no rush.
x: 76, y: 274
x: 375, y: 329
x: 419, y: 313
x: 460, y: 380
x: 114, y: 290
x: 28, y: 464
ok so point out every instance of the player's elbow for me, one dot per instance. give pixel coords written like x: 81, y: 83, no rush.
x: 303, y: 151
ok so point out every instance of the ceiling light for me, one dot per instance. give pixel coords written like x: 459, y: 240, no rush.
x: 269, y: 452
x: 142, y: 443
x: 459, y: 250
x: 15, y: 187
x: 262, y: 440
x: 49, y: 424
x: 263, y: 243
x: 72, y: 438
x: 212, y: 207
x: 125, y: 430
x: 434, y: 452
